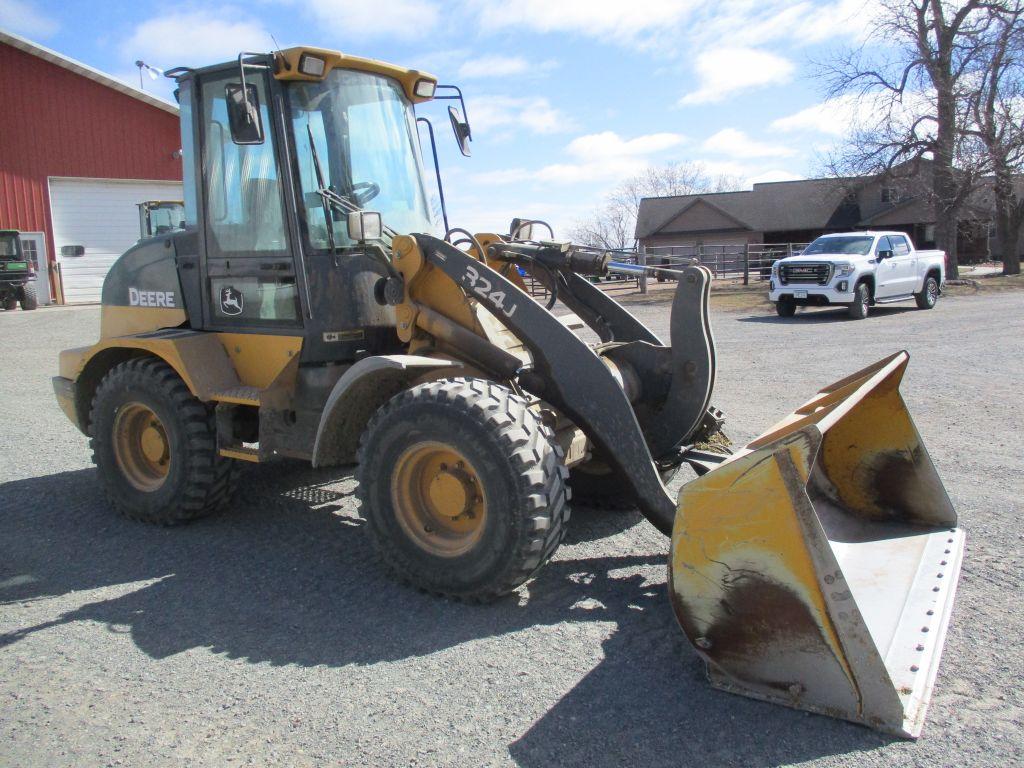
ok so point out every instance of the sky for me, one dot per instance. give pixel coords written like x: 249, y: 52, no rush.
x: 566, y: 98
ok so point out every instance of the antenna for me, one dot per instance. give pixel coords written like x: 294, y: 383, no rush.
x: 274, y: 39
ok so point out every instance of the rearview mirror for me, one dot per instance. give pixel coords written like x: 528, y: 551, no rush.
x: 244, y: 114
x: 461, y: 129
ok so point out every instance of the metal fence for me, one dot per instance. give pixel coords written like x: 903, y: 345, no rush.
x: 747, y: 262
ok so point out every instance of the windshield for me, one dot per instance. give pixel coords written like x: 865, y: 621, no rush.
x: 858, y: 245
x: 8, y: 245
x: 165, y: 217
x: 363, y: 132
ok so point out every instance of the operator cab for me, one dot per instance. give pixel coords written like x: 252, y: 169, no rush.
x: 280, y: 151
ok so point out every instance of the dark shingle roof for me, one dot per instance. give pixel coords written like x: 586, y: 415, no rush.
x: 774, y: 206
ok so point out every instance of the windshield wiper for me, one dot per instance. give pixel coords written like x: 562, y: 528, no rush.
x: 321, y: 189
x: 332, y: 199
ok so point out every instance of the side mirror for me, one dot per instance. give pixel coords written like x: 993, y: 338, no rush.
x: 244, y: 114
x: 885, y: 254
x: 461, y: 129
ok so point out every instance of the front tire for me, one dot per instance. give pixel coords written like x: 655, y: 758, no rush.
x: 463, y: 488
x: 785, y: 307
x: 858, y: 310
x: 929, y: 294
x: 29, y: 297
x: 10, y: 302
x: 155, y: 445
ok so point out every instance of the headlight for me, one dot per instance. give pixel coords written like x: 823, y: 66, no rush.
x: 775, y: 268
x: 842, y: 270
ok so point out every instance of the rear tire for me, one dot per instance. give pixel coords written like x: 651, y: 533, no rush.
x: 155, y: 446
x: 11, y: 302
x: 858, y: 310
x: 29, y: 297
x: 477, y: 530
x: 785, y: 307
x: 929, y: 294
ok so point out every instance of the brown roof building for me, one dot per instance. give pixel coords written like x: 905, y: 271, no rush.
x: 799, y: 211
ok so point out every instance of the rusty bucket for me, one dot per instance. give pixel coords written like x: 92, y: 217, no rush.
x: 817, y: 567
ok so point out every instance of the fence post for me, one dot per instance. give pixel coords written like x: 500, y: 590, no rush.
x: 641, y: 260
x: 746, y: 263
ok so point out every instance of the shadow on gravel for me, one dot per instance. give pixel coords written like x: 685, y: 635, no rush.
x: 286, y: 577
x: 836, y: 315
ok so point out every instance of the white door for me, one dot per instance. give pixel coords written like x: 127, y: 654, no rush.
x: 887, y: 277
x: 33, y: 244
x: 905, y: 265
x: 101, y: 216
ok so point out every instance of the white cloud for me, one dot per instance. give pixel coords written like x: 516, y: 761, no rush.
x: 598, y: 18
x: 502, y: 66
x: 596, y: 157
x: 843, y: 114
x: 796, y: 23
x: 832, y: 116
x: 676, y: 27
x: 195, y: 38
x: 726, y: 71
x: 355, y: 20
x: 534, y: 114
x: 24, y: 19
x: 776, y: 174
x: 735, y: 143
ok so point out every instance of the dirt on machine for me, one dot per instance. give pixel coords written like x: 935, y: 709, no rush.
x: 309, y: 310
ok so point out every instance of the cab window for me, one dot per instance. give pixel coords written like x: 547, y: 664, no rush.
x: 245, y: 206
x: 900, y: 247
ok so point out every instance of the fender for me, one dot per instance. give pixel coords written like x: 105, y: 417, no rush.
x: 210, y: 364
x: 358, y: 394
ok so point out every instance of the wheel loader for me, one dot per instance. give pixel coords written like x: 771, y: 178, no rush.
x: 310, y: 310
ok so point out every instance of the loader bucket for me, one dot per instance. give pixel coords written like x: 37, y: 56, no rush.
x: 817, y: 567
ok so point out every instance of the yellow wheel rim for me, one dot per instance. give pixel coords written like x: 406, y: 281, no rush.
x: 141, y: 448
x: 438, y: 499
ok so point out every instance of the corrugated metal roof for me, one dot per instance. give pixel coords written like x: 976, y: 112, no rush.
x: 84, y: 70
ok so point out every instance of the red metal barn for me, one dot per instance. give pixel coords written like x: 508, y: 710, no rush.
x: 79, y: 151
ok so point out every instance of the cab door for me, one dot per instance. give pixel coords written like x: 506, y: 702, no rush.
x: 249, y: 270
x: 886, y: 278
x: 904, y: 262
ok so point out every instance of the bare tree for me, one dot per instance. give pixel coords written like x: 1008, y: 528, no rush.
x: 612, y: 224
x: 998, y: 115
x: 915, y: 76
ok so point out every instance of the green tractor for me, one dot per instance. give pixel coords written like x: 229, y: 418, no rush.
x: 17, y: 275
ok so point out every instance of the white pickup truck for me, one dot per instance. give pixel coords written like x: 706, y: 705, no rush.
x: 856, y: 270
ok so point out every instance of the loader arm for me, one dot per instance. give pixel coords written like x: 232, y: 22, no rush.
x: 566, y: 373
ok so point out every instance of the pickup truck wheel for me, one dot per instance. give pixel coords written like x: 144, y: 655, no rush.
x: 861, y: 296
x: 785, y: 307
x: 929, y: 293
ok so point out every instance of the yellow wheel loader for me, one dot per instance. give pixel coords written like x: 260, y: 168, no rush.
x: 308, y: 310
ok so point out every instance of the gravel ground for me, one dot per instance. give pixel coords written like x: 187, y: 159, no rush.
x: 268, y: 635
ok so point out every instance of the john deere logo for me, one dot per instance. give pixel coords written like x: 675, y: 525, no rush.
x: 231, y: 301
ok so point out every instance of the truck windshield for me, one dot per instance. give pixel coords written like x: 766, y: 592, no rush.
x: 858, y: 245
x: 363, y: 131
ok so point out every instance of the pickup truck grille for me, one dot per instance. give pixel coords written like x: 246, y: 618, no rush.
x: 806, y: 272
